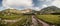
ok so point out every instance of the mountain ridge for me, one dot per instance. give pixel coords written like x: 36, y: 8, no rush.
x: 50, y: 9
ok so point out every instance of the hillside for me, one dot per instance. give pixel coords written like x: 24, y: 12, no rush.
x: 14, y: 13
x: 14, y: 17
x: 50, y: 9
x: 11, y: 11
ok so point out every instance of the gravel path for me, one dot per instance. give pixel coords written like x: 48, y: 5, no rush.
x: 35, y: 22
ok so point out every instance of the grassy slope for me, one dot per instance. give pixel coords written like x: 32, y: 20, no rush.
x: 11, y: 17
x: 19, y: 23
x: 22, y: 22
x: 54, y: 19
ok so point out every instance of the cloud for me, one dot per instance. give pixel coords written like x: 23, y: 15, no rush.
x: 44, y: 5
x: 51, y: 3
x: 41, y: 0
x: 1, y: 8
x: 45, y: 0
x: 17, y: 3
x: 28, y: 3
x: 56, y: 3
x: 36, y: 8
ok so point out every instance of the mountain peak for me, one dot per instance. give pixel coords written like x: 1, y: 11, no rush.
x: 50, y: 9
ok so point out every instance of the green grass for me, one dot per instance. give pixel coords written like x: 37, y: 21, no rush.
x: 22, y: 22
x: 11, y: 17
x: 54, y: 19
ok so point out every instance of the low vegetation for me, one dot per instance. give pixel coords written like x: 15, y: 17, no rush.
x: 12, y: 16
x: 53, y: 19
x: 22, y: 22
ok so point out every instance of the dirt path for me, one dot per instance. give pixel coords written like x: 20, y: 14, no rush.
x: 43, y: 23
x: 16, y: 20
x: 35, y: 22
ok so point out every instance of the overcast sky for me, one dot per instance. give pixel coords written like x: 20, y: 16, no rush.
x: 33, y: 4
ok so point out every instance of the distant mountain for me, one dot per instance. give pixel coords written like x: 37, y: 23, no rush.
x: 11, y: 11
x: 50, y: 9
x: 15, y: 11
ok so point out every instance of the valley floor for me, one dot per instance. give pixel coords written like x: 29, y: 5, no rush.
x: 33, y: 20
